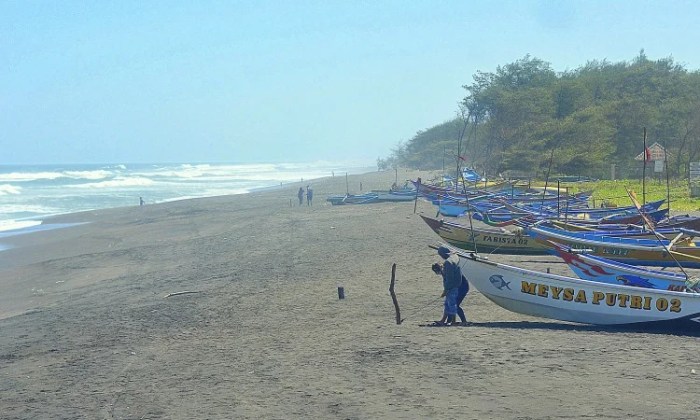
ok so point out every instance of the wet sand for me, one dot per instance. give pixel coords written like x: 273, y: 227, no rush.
x: 88, y: 332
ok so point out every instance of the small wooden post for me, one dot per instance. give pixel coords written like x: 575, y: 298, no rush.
x: 415, y: 201
x: 393, y: 295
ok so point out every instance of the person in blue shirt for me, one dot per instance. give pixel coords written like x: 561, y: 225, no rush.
x: 451, y: 281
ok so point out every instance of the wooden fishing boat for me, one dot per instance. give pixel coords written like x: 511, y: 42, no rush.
x: 653, y: 252
x: 587, y: 214
x: 337, y: 200
x: 370, y: 197
x: 594, y: 268
x: 572, y: 299
x: 485, y: 240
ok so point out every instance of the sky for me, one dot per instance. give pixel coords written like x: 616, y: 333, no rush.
x: 284, y: 81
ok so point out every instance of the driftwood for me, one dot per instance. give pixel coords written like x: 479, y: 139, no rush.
x: 185, y: 292
x: 393, y: 295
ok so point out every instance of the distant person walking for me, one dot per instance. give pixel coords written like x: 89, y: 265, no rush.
x: 309, y: 195
x: 300, y: 194
x: 141, y: 202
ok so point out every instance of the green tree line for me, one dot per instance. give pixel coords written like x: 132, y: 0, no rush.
x: 527, y: 118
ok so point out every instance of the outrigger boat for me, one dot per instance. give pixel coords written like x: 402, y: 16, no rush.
x: 575, y: 300
x: 371, y: 197
x: 653, y: 252
x: 486, y: 240
x: 594, y: 268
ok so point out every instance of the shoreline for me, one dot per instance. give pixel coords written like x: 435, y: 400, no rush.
x: 35, y: 224
x: 33, y: 244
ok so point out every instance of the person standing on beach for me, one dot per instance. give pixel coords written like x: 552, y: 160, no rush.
x: 309, y: 195
x: 451, y: 280
x: 300, y: 194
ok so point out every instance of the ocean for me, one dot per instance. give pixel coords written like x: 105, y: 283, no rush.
x: 29, y: 193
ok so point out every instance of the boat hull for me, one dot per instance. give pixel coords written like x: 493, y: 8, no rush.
x: 575, y: 300
x: 594, y: 268
x: 627, y: 250
x: 485, y: 240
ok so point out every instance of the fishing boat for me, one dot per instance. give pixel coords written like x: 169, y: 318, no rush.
x: 486, y: 240
x: 594, y: 268
x: 572, y: 299
x: 587, y: 213
x: 371, y: 197
x: 682, y: 250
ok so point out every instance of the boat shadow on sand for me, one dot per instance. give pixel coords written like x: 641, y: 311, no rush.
x: 556, y: 326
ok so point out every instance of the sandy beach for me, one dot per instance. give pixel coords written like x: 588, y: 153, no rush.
x: 88, y: 329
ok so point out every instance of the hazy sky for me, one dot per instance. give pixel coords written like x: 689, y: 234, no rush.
x: 284, y: 81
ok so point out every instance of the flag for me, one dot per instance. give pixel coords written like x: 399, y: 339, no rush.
x: 647, y: 155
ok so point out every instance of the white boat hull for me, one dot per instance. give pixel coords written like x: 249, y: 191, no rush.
x: 570, y: 299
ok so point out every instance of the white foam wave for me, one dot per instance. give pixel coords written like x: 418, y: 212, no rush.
x: 25, y: 208
x: 52, y: 175
x: 93, y: 175
x: 17, y: 224
x: 209, y: 172
x: 264, y: 172
x: 6, y: 189
x: 118, y: 182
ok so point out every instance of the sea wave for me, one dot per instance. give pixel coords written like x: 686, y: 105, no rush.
x: 207, y: 171
x: 7, y: 189
x: 118, y: 182
x: 6, y: 225
x: 37, y: 191
x: 263, y: 172
x: 53, y: 175
x: 7, y: 208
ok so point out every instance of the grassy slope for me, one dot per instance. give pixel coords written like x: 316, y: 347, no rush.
x: 615, y: 192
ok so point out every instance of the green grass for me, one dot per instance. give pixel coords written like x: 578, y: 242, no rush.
x: 615, y: 192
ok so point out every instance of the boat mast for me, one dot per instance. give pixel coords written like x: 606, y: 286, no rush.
x: 546, y: 180
x: 459, y: 154
x: 644, y: 170
x: 668, y: 186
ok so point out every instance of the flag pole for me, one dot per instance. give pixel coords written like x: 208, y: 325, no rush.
x: 644, y: 171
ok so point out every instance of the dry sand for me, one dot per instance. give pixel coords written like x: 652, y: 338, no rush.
x: 87, y: 332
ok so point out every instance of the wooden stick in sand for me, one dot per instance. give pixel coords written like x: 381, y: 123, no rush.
x: 393, y: 295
